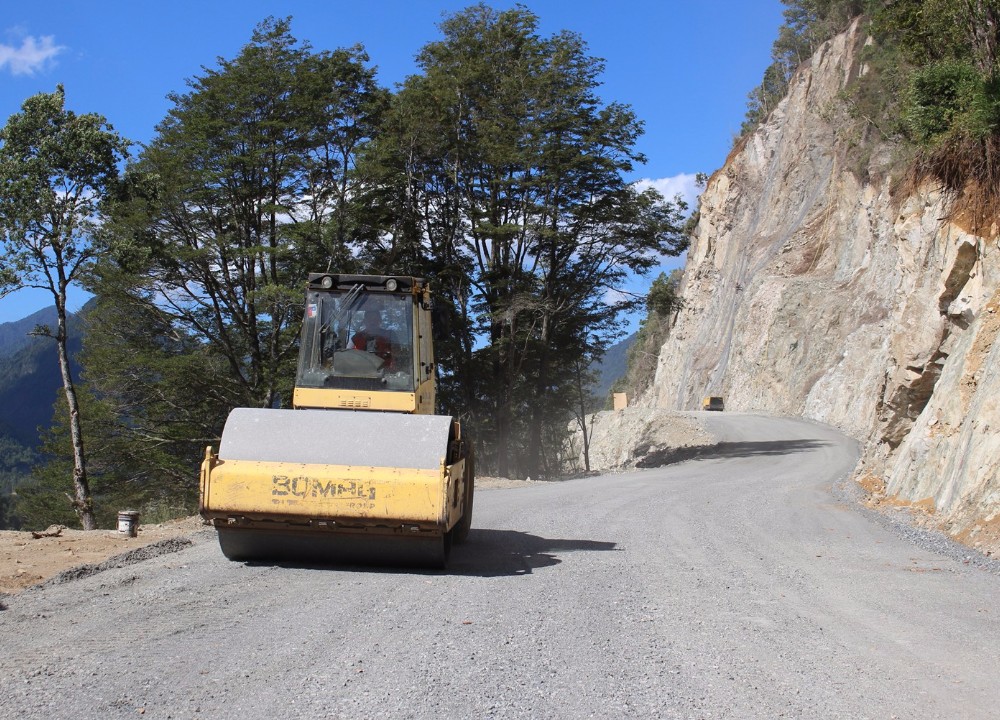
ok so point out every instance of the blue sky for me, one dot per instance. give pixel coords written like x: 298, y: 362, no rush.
x: 685, y: 67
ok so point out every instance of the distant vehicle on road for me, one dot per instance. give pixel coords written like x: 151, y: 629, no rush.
x: 713, y: 403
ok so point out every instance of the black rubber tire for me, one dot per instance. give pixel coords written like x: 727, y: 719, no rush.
x: 462, y: 527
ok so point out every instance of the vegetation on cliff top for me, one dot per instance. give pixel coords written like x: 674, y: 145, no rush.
x: 932, y: 86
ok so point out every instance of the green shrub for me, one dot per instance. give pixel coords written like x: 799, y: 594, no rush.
x: 941, y: 96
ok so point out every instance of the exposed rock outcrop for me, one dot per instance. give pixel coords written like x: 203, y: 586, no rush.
x: 637, y: 437
x: 814, y: 292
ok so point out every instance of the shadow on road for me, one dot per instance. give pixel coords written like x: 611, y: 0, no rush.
x: 671, y: 456
x: 486, y: 553
x: 497, y: 553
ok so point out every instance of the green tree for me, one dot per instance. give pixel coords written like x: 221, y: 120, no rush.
x: 954, y: 84
x: 40, y: 500
x: 56, y: 168
x: 504, y: 173
x: 924, y: 31
x: 950, y: 97
x: 249, y: 184
x: 16, y: 462
x: 153, y: 399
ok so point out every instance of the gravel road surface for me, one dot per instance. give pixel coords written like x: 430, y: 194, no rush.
x: 734, y: 585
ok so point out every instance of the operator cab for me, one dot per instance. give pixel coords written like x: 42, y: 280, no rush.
x: 359, y: 334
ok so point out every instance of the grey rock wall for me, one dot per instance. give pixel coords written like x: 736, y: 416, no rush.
x: 812, y: 292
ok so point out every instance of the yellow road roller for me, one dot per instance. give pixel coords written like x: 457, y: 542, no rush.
x: 361, y: 470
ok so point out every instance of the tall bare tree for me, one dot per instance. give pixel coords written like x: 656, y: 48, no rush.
x: 56, y: 169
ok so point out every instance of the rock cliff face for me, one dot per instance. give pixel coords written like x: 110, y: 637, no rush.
x: 815, y: 293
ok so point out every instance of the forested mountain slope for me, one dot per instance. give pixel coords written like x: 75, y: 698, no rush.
x: 29, y: 386
x: 29, y: 376
x: 818, y: 284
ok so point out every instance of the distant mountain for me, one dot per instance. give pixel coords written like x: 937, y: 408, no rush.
x: 14, y: 335
x: 30, y: 377
x: 612, y: 367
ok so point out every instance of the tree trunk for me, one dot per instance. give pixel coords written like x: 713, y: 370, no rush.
x: 82, y: 503
x: 502, y: 421
x: 502, y: 409
x: 537, y: 422
x: 982, y: 22
x: 582, y: 419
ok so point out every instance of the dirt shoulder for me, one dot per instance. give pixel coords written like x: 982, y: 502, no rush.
x: 26, y: 560
x: 983, y: 535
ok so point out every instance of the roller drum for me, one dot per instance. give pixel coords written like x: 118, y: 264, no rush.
x: 335, y: 486
x: 336, y: 437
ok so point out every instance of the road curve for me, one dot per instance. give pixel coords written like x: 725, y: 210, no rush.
x: 731, y: 586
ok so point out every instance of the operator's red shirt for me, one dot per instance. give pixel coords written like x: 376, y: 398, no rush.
x: 378, y: 344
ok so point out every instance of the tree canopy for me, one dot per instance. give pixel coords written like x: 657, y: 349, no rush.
x: 504, y: 176
x: 246, y: 187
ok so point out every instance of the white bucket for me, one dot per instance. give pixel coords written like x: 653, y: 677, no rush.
x: 128, y: 522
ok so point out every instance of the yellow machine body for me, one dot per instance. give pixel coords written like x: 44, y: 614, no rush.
x: 360, y: 470
x: 349, y: 494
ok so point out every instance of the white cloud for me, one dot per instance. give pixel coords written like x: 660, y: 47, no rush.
x: 684, y: 185
x: 33, y: 54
